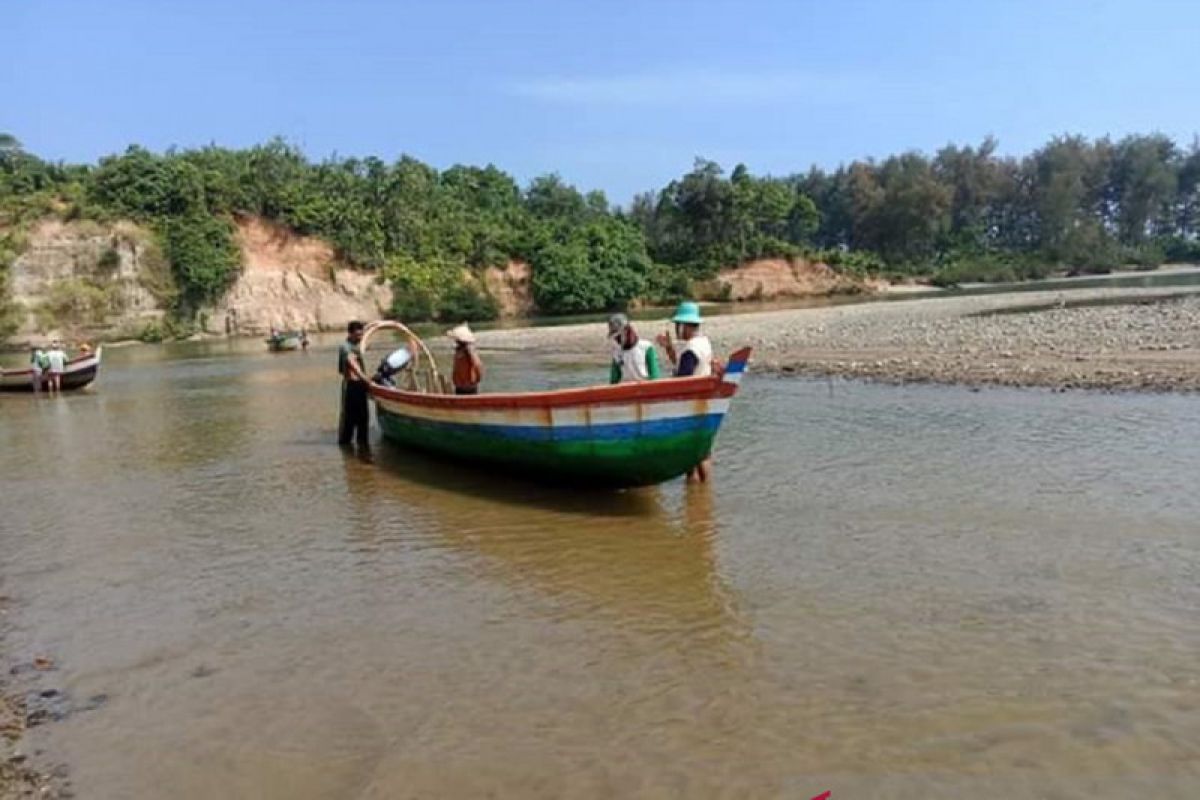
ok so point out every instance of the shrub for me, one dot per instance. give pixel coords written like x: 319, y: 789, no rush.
x: 76, y: 303
x: 413, y: 305
x: 467, y: 303
x: 204, y: 257
x: 9, y: 312
x: 151, y: 333
x: 666, y: 285
x: 1177, y: 249
x: 988, y: 268
x: 859, y: 263
x: 599, y: 266
x: 109, y: 260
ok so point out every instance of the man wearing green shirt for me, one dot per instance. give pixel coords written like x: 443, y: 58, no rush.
x: 355, y: 419
x: 633, y: 358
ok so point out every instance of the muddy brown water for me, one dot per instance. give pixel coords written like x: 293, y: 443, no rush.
x: 886, y: 593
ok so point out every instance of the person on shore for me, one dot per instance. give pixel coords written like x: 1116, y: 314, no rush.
x: 467, y: 373
x: 56, y: 359
x: 355, y: 419
x: 37, y: 368
x: 304, y: 340
x: 693, y: 359
x: 633, y: 358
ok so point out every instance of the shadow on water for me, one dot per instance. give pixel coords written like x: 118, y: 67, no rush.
x: 489, y: 484
x: 633, y: 557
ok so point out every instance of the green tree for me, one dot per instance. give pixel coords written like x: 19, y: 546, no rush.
x: 1187, y: 202
x: 1145, y: 178
x: 204, y: 258
x: 1070, y: 176
x: 601, y: 265
x: 548, y: 197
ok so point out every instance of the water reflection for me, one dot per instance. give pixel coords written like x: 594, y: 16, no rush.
x: 625, y: 554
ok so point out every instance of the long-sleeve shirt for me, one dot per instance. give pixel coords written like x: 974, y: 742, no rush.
x: 637, y: 363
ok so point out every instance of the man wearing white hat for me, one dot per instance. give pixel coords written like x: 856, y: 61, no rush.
x: 468, y: 367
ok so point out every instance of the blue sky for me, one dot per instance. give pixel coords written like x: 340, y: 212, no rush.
x: 610, y: 94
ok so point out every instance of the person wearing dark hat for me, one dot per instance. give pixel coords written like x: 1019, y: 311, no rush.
x: 633, y: 358
x: 355, y: 419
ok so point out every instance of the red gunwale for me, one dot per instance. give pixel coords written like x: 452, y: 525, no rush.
x: 708, y: 387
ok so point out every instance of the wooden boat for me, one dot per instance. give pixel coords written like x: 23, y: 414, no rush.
x: 629, y: 434
x: 287, y: 340
x: 80, y: 371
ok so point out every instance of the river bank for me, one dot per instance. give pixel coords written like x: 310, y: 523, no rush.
x: 19, y: 779
x: 1094, y: 338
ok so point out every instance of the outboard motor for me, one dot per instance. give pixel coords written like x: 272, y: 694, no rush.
x: 397, y: 360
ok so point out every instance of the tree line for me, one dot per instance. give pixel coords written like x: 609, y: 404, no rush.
x: 963, y: 213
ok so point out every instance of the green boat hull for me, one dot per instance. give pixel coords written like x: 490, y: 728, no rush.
x: 598, y: 462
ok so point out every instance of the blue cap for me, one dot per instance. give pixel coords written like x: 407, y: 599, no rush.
x: 688, y: 313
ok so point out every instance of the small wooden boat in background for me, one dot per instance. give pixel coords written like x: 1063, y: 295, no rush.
x: 286, y: 340
x: 628, y: 434
x: 80, y: 371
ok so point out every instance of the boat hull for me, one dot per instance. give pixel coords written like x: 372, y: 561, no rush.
x: 78, y: 374
x: 627, y: 435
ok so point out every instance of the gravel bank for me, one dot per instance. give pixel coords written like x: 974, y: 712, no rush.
x: 1140, y: 339
x: 19, y: 778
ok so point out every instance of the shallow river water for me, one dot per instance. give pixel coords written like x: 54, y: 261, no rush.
x: 885, y: 593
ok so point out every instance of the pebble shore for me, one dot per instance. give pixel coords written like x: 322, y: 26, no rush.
x: 1107, y: 338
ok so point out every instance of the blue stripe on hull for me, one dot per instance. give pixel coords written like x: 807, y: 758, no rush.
x: 577, y: 433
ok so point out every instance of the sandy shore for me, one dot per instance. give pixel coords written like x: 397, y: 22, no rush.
x: 17, y: 780
x: 1099, y: 338
x: 20, y: 779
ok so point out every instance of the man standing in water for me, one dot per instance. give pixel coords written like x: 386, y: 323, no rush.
x: 56, y: 357
x: 695, y: 355
x: 694, y: 359
x: 37, y: 368
x: 355, y: 420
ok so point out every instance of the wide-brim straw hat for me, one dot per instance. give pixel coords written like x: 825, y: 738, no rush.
x: 462, y: 334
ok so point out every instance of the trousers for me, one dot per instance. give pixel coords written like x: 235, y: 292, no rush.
x: 355, y: 420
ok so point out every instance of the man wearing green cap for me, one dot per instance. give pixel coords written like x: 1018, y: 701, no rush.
x: 695, y: 355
